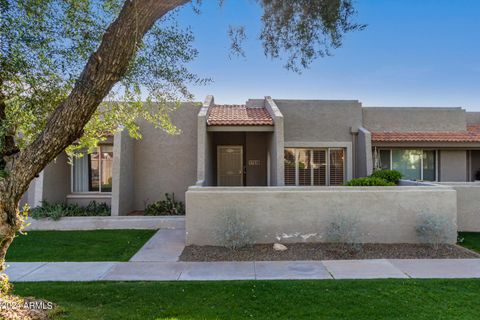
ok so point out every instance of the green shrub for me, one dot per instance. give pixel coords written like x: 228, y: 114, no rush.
x: 57, y: 210
x: 388, y: 175
x: 167, y: 207
x: 370, y: 182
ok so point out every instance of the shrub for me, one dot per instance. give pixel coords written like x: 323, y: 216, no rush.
x: 57, y: 210
x: 434, y: 229
x: 369, y: 182
x: 234, y: 232
x: 388, y: 175
x: 167, y: 207
x: 344, y: 230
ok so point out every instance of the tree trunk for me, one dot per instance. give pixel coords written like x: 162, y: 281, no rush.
x: 104, y: 69
x: 10, y: 223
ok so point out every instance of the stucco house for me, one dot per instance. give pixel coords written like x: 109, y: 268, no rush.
x: 267, y: 142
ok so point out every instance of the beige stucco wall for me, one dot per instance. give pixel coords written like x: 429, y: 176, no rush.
x: 453, y: 165
x: 468, y: 206
x: 319, y: 120
x: 56, y: 180
x: 275, y: 144
x: 414, y: 119
x: 296, y: 214
x: 166, y: 163
x: 122, y: 174
x: 473, y: 117
x: 363, y: 153
x: 256, y: 150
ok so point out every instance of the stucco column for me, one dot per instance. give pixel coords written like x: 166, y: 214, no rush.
x: 203, y: 144
x: 122, y: 174
x: 277, y: 144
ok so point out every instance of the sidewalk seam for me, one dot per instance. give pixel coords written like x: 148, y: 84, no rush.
x: 102, y: 277
x: 28, y: 273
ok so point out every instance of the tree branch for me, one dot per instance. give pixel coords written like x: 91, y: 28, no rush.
x: 103, y: 70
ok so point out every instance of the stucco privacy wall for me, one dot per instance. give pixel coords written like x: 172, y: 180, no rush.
x: 453, y: 165
x: 166, y: 163
x: 288, y: 214
x: 414, y: 119
x: 468, y: 205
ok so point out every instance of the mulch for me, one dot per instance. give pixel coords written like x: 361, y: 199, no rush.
x: 327, y: 251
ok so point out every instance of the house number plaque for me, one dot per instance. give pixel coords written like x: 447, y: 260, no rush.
x: 253, y: 162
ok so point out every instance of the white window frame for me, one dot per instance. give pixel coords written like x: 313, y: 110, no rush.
x: 99, y: 174
x: 327, y: 168
x: 421, y: 159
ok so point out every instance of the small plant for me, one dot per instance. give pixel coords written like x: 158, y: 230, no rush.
x: 434, y: 229
x: 167, y: 207
x: 393, y: 176
x: 234, y: 232
x: 57, y: 210
x: 370, y: 182
x: 344, y: 230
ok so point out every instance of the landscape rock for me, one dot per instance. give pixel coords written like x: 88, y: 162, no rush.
x: 279, y: 247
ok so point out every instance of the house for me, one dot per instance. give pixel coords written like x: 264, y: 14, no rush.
x: 267, y: 142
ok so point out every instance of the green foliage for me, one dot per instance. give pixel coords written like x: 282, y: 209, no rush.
x: 44, y: 45
x: 470, y: 240
x: 369, y: 182
x: 57, y: 210
x: 388, y: 175
x: 167, y: 207
x: 304, y: 30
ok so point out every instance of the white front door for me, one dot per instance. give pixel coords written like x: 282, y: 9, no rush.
x: 230, y: 166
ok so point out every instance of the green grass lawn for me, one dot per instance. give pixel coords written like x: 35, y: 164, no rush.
x: 325, y: 299
x: 97, y: 245
x: 471, y: 240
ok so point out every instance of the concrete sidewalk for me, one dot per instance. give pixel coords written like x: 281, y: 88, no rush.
x: 255, y: 270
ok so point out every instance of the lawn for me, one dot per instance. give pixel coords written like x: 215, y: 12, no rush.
x: 97, y: 245
x: 471, y: 240
x: 326, y: 299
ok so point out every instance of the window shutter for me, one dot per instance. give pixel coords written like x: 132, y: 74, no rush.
x: 337, y: 171
x: 304, y: 167
x: 319, y: 167
x: 289, y: 164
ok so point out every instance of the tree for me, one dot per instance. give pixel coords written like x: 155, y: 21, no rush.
x: 59, y: 59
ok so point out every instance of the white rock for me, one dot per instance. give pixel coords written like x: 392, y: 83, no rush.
x: 279, y: 247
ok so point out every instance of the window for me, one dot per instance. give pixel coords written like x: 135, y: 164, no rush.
x: 309, y: 167
x: 93, y: 172
x: 414, y: 164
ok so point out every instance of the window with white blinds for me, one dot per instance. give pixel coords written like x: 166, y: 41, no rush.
x: 314, y: 167
x: 289, y: 167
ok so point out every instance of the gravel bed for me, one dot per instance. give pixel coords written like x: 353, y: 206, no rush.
x: 326, y: 251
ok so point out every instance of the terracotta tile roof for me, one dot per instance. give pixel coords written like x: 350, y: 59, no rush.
x: 238, y: 115
x: 471, y: 135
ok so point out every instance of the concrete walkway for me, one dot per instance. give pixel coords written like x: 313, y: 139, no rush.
x: 165, y: 245
x: 258, y: 270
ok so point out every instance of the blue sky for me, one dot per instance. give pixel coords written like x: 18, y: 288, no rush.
x: 412, y: 53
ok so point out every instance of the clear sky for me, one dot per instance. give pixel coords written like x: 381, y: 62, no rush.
x: 412, y: 53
